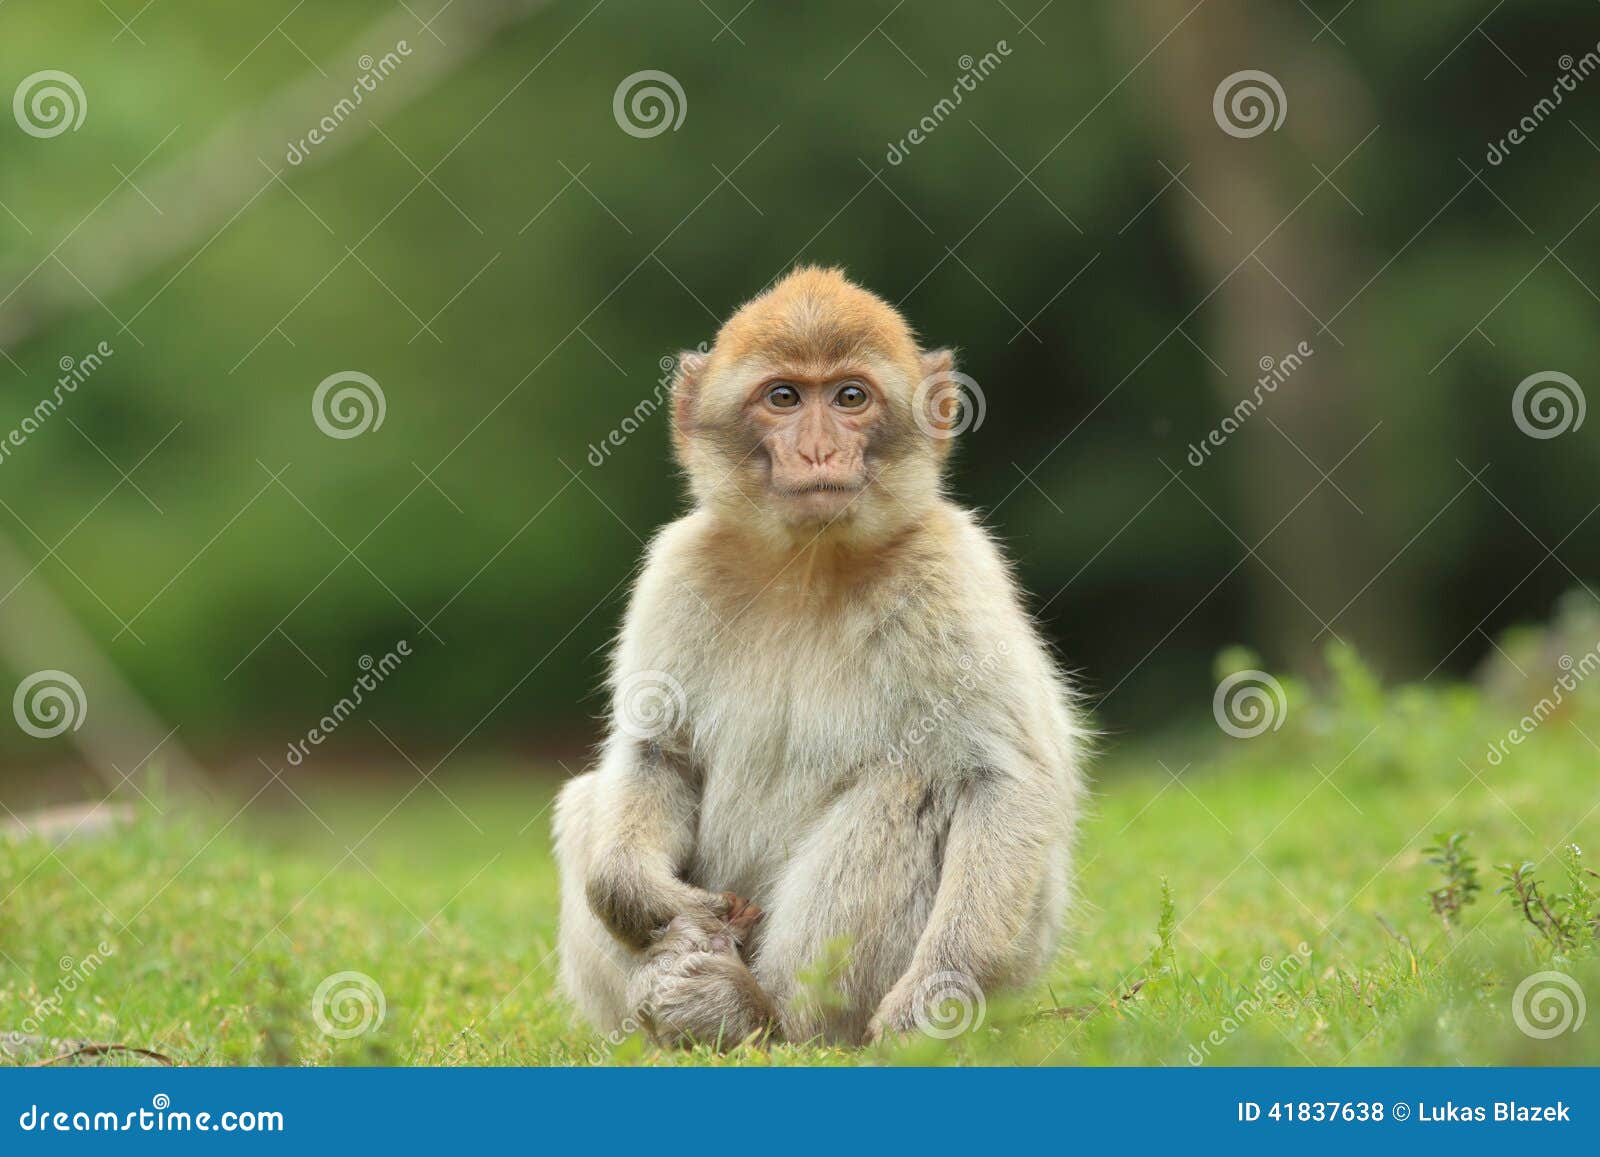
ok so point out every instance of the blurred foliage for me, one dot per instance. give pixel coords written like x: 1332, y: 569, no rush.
x: 558, y: 258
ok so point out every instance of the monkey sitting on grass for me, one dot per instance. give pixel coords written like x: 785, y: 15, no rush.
x: 826, y: 696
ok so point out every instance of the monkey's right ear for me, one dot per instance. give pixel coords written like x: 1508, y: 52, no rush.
x: 685, y: 390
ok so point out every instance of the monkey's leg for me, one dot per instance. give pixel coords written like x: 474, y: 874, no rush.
x: 595, y: 966
x: 851, y: 903
x: 1002, y: 885
x: 621, y: 833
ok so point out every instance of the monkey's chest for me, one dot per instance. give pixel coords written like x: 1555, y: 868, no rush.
x: 785, y: 723
x: 783, y: 754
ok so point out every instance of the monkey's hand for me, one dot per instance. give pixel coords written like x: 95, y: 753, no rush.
x: 634, y: 904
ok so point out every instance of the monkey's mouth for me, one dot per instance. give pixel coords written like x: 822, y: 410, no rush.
x: 820, y: 488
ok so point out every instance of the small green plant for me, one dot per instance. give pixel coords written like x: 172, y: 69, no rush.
x: 1164, y: 960
x: 1567, y: 922
x: 1460, y: 871
x: 1582, y: 904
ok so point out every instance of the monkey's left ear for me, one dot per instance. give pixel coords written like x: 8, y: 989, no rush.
x: 685, y: 390
x: 938, y: 398
x: 936, y: 363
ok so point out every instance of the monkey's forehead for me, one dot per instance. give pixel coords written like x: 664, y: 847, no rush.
x: 732, y: 378
x: 817, y: 317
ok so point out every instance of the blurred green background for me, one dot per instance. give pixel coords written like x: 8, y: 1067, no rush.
x: 483, y: 238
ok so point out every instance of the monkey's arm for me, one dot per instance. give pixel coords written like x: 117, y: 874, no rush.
x: 1002, y: 833
x: 644, y: 836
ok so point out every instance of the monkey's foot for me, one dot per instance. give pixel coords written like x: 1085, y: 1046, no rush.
x: 705, y: 998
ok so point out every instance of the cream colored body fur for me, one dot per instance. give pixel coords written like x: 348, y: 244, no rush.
x: 877, y: 750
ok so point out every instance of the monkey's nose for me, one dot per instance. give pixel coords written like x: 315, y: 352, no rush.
x: 818, y: 456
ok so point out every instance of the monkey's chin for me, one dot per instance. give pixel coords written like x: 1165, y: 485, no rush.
x: 816, y: 506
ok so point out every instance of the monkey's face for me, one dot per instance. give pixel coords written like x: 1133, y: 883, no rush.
x: 813, y: 436
x: 802, y: 416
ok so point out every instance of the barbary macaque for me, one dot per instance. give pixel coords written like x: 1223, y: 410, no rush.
x: 827, y: 696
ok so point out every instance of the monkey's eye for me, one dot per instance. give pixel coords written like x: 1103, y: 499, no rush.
x: 783, y: 396
x: 851, y: 396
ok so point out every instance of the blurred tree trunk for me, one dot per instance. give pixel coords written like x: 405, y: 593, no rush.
x: 1261, y: 189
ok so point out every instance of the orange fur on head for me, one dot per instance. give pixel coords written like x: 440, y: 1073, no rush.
x: 814, y: 326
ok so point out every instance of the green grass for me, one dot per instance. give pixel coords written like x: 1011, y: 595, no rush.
x: 220, y: 930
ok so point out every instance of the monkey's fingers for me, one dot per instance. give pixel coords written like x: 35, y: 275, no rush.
x: 745, y: 919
